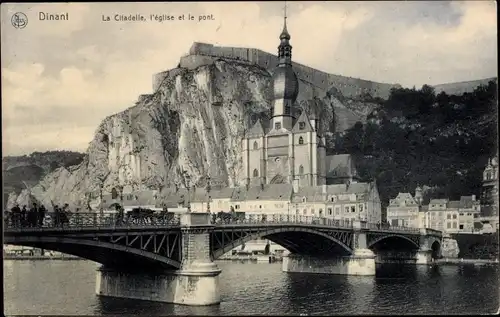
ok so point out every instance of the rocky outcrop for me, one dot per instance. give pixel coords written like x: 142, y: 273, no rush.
x: 450, y: 248
x: 190, y: 127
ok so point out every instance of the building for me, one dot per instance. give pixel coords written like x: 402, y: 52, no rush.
x: 346, y: 202
x: 489, y: 196
x: 404, y: 210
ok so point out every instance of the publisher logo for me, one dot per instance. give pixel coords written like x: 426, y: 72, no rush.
x: 19, y: 20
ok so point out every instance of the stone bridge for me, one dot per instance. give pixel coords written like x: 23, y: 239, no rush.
x: 171, y: 259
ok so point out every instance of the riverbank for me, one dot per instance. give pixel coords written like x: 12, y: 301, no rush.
x: 459, y: 261
x: 42, y: 257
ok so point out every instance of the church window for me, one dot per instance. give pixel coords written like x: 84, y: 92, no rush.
x: 255, y: 173
x: 302, y: 125
x: 277, y: 125
x: 301, y: 140
x: 301, y: 169
x: 255, y: 145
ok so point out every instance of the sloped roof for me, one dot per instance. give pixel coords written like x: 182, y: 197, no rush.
x: 201, y: 194
x: 171, y: 197
x: 307, y: 125
x: 467, y: 202
x: 256, y: 131
x: 438, y: 201
x: 315, y: 193
x: 239, y: 194
x: 340, y: 165
x: 453, y: 204
x: 270, y: 192
x: 424, y: 208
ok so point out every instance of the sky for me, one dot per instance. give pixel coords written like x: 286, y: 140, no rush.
x: 60, y: 79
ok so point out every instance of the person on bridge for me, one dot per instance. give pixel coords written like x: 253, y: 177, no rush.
x: 24, y: 214
x: 41, y: 215
x: 119, y: 215
x: 32, y: 216
x: 15, y: 216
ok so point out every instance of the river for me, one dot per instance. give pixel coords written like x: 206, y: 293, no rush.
x: 67, y: 288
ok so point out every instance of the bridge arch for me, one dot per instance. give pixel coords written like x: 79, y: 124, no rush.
x: 393, y: 241
x: 297, y: 240
x: 109, y: 254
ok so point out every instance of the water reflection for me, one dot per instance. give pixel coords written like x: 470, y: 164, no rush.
x: 68, y: 288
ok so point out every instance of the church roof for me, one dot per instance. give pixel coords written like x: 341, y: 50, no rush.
x: 307, y: 125
x: 256, y: 131
x: 340, y: 165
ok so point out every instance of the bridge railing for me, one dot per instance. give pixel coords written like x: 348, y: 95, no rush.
x: 279, y: 219
x: 375, y: 226
x: 75, y: 220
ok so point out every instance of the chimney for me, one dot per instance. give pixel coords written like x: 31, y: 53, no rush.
x: 473, y: 197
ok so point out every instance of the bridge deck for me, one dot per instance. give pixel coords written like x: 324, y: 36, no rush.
x: 97, y: 222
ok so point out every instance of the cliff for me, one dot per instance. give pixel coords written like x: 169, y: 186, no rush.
x: 190, y: 127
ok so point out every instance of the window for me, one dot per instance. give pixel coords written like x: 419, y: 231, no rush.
x: 461, y: 227
x: 360, y: 207
x: 448, y: 225
x: 277, y: 125
x: 353, y: 208
x: 287, y: 109
x: 312, y: 211
x: 301, y: 169
x: 303, y: 199
x: 469, y: 214
x: 255, y: 145
x: 346, y: 209
x: 454, y: 225
x: 337, y: 210
x: 255, y: 173
x: 301, y: 140
x: 321, y: 212
x: 461, y: 214
x: 330, y: 211
x: 448, y: 216
x: 304, y: 211
x: 302, y: 125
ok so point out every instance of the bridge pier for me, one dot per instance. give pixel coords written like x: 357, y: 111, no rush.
x: 196, y: 283
x: 360, y: 262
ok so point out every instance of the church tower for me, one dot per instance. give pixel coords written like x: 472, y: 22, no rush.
x: 286, y: 84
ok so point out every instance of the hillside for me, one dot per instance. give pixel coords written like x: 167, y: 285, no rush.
x: 27, y: 170
x: 461, y: 87
x: 422, y: 138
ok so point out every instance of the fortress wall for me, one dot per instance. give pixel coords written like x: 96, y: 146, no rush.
x: 203, y: 54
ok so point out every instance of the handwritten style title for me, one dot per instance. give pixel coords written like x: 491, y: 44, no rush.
x: 156, y: 17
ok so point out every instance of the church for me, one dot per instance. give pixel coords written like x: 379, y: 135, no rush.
x: 292, y: 150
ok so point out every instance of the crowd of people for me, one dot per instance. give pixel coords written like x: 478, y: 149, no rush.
x: 35, y: 217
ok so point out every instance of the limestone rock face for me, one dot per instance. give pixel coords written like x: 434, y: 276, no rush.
x: 190, y: 127
x: 450, y: 248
